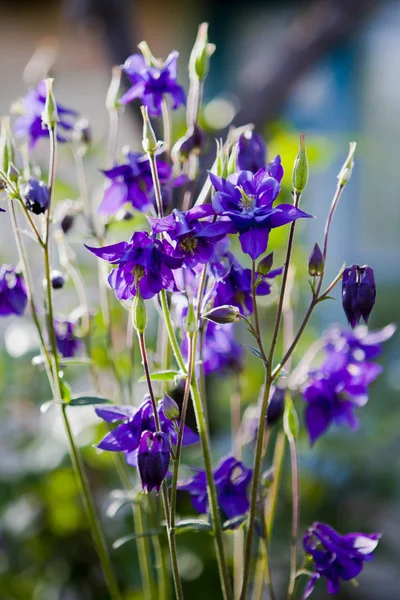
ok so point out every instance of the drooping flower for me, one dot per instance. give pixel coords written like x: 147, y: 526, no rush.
x: 195, y: 239
x: 35, y: 195
x: 358, y: 293
x: 133, y: 421
x: 144, y: 262
x: 13, y: 296
x: 150, y: 83
x: 153, y: 459
x: 231, y: 479
x: 251, y: 152
x: 335, y: 391
x: 337, y: 557
x: 29, y: 124
x: 132, y: 182
x: 247, y: 200
x: 67, y: 342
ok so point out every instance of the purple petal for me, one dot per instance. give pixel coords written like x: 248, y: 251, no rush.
x: 112, y: 253
x: 287, y: 213
x: 115, y: 196
x: 254, y: 242
x: 317, y: 421
x: 115, y: 413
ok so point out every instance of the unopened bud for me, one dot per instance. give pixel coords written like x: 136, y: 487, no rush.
x: 316, y: 262
x: 265, y: 264
x: 223, y: 314
x: 290, y: 419
x: 192, y: 142
x: 300, y: 168
x: 191, y: 324
x: 83, y: 132
x: 113, y: 90
x: 139, y: 316
x: 6, y: 145
x: 149, y: 142
x: 347, y: 168
x: 221, y: 163
x: 50, y: 113
x: 276, y: 406
x: 35, y: 195
x: 232, y: 161
x: 200, y: 55
x: 170, y: 408
x: 57, y: 280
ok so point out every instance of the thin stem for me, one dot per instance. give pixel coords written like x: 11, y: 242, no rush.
x: 277, y: 466
x: 167, y: 126
x: 295, y: 516
x: 267, y: 567
x: 171, y: 332
x: 156, y: 183
x: 255, y: 312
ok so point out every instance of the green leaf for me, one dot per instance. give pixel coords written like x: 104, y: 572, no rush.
x: 84, y: 360
x: 235, y: 522
x: 291, y: 424
x: 325, y: 298
x: 88, y: 400
x: 167, y: 375
x: 192, y: 525
x: 128, y: 538
x: 255, y: 351
x: 66, y: 392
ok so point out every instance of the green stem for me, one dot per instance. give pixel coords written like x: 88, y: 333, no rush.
x: 171, y: 332
x: 295, y: 516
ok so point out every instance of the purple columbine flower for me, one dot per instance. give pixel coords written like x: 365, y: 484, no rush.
x: 132, y: 182
x: 234, y: 287
x: 247, y: 200
x: 142, y: 262
x: 195, y: 239
x: 35, y: 195
x: 231, y: 479
x: 133, y: 421
x: 358, y: 293
x: 13, y: 296
x: 29, y: 124
x: 67, y: 342
x: 251, y: 152
x: 151, y: 83
x: 335, y: 391
x: 360, y: 344
x: 153, y: 459
x: 337, y: 557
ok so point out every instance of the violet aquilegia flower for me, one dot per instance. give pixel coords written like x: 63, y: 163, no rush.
x: 247, y: 199
x: 336, y: 557
x: 358, y: 293
x: 252, y: 154
x: 194, y: 238
x: 35, y: 195
x: 150, y: 83
x: 67, y: 342
x: 29, y: 124
x: 13, y: 296
x: 131, y: 182
x: 133, y: 422
x: 359, y: 344
x: 143, y: 262
x: 153, y: 459
x: 231, y: 479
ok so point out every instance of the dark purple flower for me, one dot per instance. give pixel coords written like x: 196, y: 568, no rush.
x: 335, y: 391
x: 29, y: 125
x: 231, y: 479
x: 195, y: 239
x: 132, y: 182
x: 358, y: 293
x: 276, y: 406
x: 151, y: 83
x: 247, y: 200
x: 251, y: 152
x: 35, y: 195
x: 153, y: 459
x: 13, y: 296
x: 337, y: 556
x: 144, y: 262
x: 234, y: 287
x: 133, y: 422
x: 67, y: 343
x: 360, y: 344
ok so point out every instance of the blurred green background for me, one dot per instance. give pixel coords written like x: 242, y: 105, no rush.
x: 327, y: 67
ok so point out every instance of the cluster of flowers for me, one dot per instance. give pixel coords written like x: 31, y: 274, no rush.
x: 170, y: 256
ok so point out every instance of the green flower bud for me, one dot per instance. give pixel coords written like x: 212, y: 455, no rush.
x: 265, y: 264
x: 50, y: 113
x: 149, y: 142
x: 6, y: 145
x: 347, y: 168
x: 199, y: 58
x: 290, y: 419
x: 233, y: 160
x: 300, y: 168
x: 112, y: 103
x: 316, y: 262
x: 170, y: 408
x: 139, y: 317
x: 12, y: 172
x: 221, y: 166
x: 223, y: 314
x: 191, y: 324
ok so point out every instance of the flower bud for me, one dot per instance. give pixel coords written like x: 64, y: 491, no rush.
x: 191, y: 324
x: 232, y: 161
x: 153, y: 459
x: 50, y: 113
x: 139, y: 316
x: 57, y: 280
x: 223, y: 314
x: 200, y: 55
x: 66, y: 213
x: 192, y: 142
x: 276, y: 406
x: 347, y: 168
x: 290, y: 419
x: 12, y: 172
x: 35, y: 195
x: 265, y: 264
x: 316, y: 262
x: 83, y: 132
x: 221, y: 160
x: 358, y: 293
x: 149, y: 142
x: 300, y: 169
x: 113, y: 90
x: 170, y: 408
x: 6, y: 145
x: 251, y: 152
